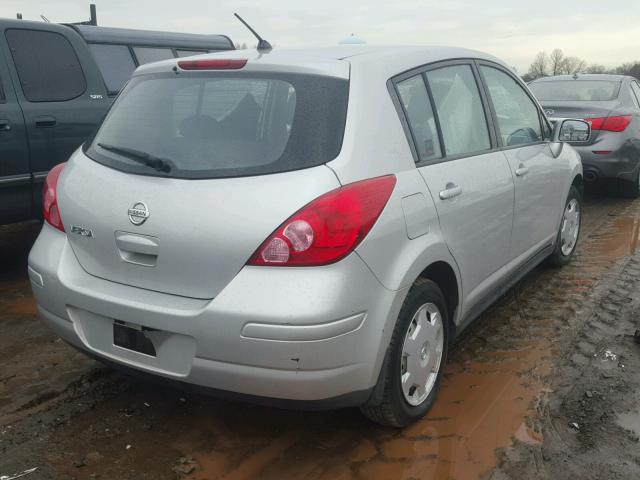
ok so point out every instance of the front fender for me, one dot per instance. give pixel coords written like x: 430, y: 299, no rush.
x: 571, y: 163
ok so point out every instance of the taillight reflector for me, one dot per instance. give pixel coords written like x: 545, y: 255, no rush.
x: 610, y: 124
x: 328, y: 228
x: 50, y: 210
x: 213, y: 64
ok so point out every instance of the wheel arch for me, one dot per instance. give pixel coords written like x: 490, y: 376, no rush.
x: 443, y: 274
x: 578, y: 182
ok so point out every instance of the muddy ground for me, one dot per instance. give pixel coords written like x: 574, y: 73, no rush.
x: 545, y: 385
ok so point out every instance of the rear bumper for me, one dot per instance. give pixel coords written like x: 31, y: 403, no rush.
x: 609, y: 166
x: 296, y: 334
x: 622, y: 163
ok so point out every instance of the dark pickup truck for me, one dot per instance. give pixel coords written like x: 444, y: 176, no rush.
x: 57, y: 81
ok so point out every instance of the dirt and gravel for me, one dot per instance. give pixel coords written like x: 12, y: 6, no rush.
x: 546, y: 385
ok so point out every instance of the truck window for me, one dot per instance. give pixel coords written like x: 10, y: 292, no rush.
x: 47, y: 65
x: 115, y: 63
x: 151, y: 54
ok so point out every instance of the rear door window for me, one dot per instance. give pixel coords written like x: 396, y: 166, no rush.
x: 517, y: 115
x: 225, y: 124
x: 115, y: 62
x: 151, y: 54
x: 459, y: 107
x: 47, y: 65
x: 415, y: 101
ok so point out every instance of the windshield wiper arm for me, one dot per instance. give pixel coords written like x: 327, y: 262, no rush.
x: 157, y: 163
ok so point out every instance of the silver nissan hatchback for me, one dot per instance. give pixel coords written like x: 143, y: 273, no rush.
x: 305, y: 227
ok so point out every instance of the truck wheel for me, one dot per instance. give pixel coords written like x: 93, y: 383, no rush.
x: 417, y: 355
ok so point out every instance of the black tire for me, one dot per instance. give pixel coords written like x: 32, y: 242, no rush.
x: 631, y: 189
x: 558, y: 258
x: 393, y: 410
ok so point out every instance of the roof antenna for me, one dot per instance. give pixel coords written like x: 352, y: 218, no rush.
x: 19, y: 16
x: 45, y: 19
x: 263, y: 45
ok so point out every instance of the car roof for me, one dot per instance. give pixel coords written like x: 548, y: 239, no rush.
x: 31, y: 24
x: 97, y: 34
x: 152, y: 38
x: 584, y: 76
x: 391, y: 59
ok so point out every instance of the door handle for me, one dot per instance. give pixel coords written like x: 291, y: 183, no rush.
x: 138, y: 249
x: 451, y: 190
x: 5, y: 125
x: 45, y: 121
x: 521, y: 171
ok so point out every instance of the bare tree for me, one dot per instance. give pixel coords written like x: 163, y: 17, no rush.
x: 629, y: 68
x: 556, y: 61
x: 539, y: 66
x: 573, y: 65
x: 596, y: 68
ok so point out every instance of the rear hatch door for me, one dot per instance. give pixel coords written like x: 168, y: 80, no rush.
x: 198, y: 233
x: 190, y: 173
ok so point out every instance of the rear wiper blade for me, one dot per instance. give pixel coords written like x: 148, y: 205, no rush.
x: 157, y: 163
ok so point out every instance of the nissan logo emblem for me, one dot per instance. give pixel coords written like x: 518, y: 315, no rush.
x: 139, y: 213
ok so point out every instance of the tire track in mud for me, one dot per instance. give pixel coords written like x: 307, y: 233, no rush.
x: 495, y: 390
x: 593, y: 417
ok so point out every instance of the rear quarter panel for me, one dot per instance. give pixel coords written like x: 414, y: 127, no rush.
x: 401, y: 244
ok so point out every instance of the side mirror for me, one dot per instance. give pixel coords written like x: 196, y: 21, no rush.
x: 572, y: 131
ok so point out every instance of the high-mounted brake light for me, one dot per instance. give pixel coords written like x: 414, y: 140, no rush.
x: 50, y: 210
x: 213, y: 64
x: 610, y: 124
x: 328, y: 228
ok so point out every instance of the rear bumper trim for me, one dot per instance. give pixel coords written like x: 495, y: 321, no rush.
x: 303, y: 333
x: 35, y: 277
x: 351, y: 399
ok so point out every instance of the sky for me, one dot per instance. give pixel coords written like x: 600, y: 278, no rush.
x: 602, y: 32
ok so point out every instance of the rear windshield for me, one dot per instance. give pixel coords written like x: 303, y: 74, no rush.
x: 222, y: 124
x: 575, y: 90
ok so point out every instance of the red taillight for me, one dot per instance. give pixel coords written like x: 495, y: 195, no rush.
x: 50, y: 210
x: 328, y: 228
x: 213, y: 64
x: 610, y: 124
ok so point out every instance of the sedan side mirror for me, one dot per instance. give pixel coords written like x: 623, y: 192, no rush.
x: 571, y: 130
